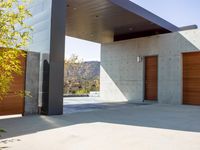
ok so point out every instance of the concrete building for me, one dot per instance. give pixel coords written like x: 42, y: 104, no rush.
x: 123, y: 76
x: 143, y: 57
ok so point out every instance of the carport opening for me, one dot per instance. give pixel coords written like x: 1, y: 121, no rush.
x: 81, y: 71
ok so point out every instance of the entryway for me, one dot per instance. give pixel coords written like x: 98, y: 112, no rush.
x: 151, y: 78
x: 191, y: 78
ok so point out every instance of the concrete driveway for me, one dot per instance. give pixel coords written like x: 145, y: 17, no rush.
x: 86, y: 104
x: 125, y: 127
x: 81, y: 100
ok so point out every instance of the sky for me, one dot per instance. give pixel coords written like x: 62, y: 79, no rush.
x: 88, y: 51
x: 178, y: 12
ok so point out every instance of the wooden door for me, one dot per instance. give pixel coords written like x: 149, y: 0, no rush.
x: 13, y: 103
x: 191, y: 78
x: 151, y: 78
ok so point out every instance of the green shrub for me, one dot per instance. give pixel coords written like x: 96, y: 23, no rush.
x: 2, y: 131
x: 82, y: 92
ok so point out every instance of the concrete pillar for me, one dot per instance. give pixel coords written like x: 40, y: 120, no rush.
x: 32, y: 83
x: 48, y: 38
x: 56, y: 59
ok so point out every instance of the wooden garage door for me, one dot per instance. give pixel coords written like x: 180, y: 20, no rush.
x: 191, y: 78
x: 13, y: 103
x: 151, y: 78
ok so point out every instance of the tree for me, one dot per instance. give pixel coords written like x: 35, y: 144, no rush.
x: 71, y: 78
x: 14, y: 37
x: 79, y: 78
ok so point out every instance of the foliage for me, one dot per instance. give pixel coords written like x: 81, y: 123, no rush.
x: 2, y: 131
x: 14, y: 32
x: 14, y: 35
x: 81, y: 92
x: 9, y: 64
x: 71, y: 68
x: 77, y: 79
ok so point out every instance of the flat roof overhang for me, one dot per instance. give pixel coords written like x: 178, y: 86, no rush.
x: 105, y: 21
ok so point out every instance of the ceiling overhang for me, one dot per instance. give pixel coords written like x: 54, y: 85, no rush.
x: 106, y: 21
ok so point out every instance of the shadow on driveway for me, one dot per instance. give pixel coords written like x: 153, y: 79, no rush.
x: 183, y: 118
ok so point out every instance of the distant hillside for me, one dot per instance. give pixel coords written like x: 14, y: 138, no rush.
x: 87, y: 70
x: 81, y: 78
x: 93, y: 69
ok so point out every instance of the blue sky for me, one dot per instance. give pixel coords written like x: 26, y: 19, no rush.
x: 178, y: 12
x: 88, y: 51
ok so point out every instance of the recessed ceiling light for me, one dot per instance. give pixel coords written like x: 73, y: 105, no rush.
x: 74, y: 8
x: 130, y: 29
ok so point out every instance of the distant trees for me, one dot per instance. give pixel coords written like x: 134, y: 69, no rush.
x: 71, y: 78
x: 14, y: 35
x: 78, y: 79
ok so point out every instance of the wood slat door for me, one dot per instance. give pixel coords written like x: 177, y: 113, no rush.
x: 191, y: 78
x: 13, y: 103
x: 151, y: 78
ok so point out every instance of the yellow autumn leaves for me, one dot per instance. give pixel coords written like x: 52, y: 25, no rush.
x: 14, y: 36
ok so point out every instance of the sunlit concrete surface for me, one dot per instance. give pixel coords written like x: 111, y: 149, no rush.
x: 81, y: 100
x: 9, y: 117
x: 126, y: 127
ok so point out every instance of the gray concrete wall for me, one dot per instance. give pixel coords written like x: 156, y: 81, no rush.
x: 48, y: 38
x: 41, y: 24
x: 122, y: 77
x: 32, y: 83
x: 41, y: 35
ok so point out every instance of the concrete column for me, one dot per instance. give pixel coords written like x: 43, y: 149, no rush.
x: 56, y: 59
x: 48, y: 38
x: 32, y: 83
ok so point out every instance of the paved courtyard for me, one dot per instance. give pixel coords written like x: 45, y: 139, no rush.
x: 124, y: 127
x: 81, y: 100
x: 86, y: 104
